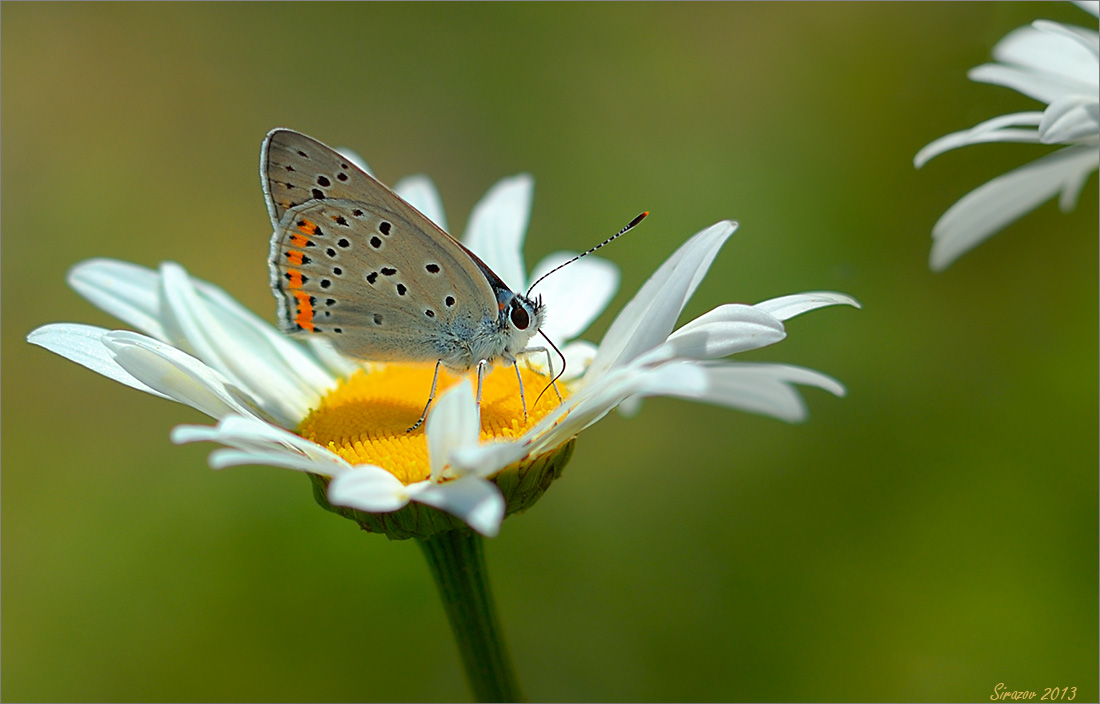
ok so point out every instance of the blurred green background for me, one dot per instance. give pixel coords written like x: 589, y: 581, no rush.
x: 930, y: 535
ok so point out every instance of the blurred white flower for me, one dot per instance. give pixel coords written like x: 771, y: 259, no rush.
x: 1056, y: 64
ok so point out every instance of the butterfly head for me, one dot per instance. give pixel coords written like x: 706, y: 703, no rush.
x: 520, y: 319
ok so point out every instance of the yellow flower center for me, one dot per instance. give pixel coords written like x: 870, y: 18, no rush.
x: 365, y: 419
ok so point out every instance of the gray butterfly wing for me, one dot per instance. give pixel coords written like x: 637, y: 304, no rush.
x: 352, y: 261
x: 295, y: 169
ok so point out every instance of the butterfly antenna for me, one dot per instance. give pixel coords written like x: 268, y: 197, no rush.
x: 609, y: 240
x: 552, y: 381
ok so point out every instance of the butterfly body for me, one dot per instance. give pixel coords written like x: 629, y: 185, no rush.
x: 353, y: 262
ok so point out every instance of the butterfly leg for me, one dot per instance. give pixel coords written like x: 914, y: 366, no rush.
x: 431, y: 397
x: 550, y: 368
x: 480, y: 376
x: 522, y: 398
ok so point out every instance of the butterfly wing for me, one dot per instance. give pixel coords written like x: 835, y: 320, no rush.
x: 353, y: 261
x: 295, y: 169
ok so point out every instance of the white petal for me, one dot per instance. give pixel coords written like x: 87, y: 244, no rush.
x: 178, y: 375
x: 578, y: 355
x: 1090, y: 6
x: 332, y: 359
x: 253, y: 435
x: 1075, y: 182
x: 368, y: 488
x: 497, y: 227
x: 673, y: 379
x: 597, y: 398
x: 648, y: 318
x: 83, y: 344
x: 756, y: 394
x: 252, y: 441
x: 995, y: 204
x: 1039, y: 86
x: 311, y: 374
x: 759, y: 388
x: 614, y: 389
x: 726, y: 330
x: 684, y: 379
x: 474, y: 500
x: 489, y: 458
x: 220, y: 459
x: 185, y: 321
x: 1078, y: 63
x: 420, y: 193
x: 995, y: 130
x: 1027, y: 47
x: 238, y: 352
x: 132, y: 293
x: 787, y: 307
x: 579, y: 412
x: 452, y: 423
x: 126, y: 291
x: 1070, y: 119
x: 1058, y: 58
x: 576, y: 294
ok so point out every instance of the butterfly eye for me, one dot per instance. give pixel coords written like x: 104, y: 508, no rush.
x: 519, y: 316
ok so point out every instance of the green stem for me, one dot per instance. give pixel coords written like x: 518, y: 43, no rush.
x: 457, y: 562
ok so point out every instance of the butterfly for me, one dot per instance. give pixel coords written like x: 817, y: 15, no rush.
x: 353, y: 262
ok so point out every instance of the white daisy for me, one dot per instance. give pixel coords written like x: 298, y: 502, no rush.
x: 1056, y: 64
x: 304, y: 407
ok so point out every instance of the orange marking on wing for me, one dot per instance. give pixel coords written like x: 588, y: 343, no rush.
x: 305, y: 311
x: 295, y: 280
x: 298, y: 240
x: 307, y: 227
x: 294, y: 257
